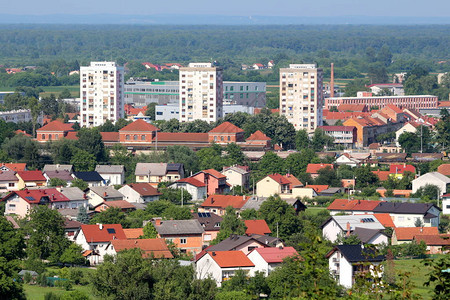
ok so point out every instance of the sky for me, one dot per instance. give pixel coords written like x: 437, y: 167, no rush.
x: 291, y: 8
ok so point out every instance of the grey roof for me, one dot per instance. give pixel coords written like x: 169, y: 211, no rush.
x: 23, y: 272
x: 267, y: 239
x: 8, y: 176
x: 73, y: 193
x: 208, y: 220
x: 153, y: 169
x: 179, y: 227
x: 363, y: 221
x: 433, y: 176
x: 61, y: 174
x: 111, y: 193
x: 426, y: 156
x: 175, y: 167
x: 72, y: 213
x: 57, y: 167
x: 110, y: 169
x: 235, y: 169
x: 332, y: 190
x: 254, y: 202
x: 402, y: 208
x: 365, y: 234
x: 232, y: 243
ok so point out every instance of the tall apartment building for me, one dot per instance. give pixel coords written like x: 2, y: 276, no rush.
x: 101, y: 93
x: 301, y: 95
x: 201, y: 92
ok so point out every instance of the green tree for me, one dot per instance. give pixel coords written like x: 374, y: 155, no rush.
x: 320, y: 140
x: 11, y: 250
x: 270, y: 163
x: 73, y: 255
x: 151, y: 111
x: 90, y: 140
x: 82, y: 216
x: 175, y: 195
x: 80, y: 183
x: 327, y: 176
x: 365, y: 177
x: 302, y: 140
x: 57, y: 182
x: 230, y: 224
x: 249, y: 214
x: 35, y: 109
x: 184, y: 154
x: 111, y: 215
x: 343, y: 239
x: 65, y: 93
x: 62, y: 151
x: 409, y: 142
x: 438, y: 278
x: 149, y: 231
x: 45, y: 228
x: 83, y: 161
x: 234, y: 154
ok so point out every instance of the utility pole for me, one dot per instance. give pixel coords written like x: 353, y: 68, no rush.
x: 182, y: 197
x: 421, y: 139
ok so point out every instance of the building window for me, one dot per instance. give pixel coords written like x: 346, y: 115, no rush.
x: 127, y: 137
x: 143, y: 137
x: 135, y: 137
x: 183, y: 241
x: 229, y: 138
x: 11, y: 184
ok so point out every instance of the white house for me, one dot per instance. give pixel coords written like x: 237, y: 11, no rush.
x: 341, y: 225
x: 222, y: 265
x: 237, y: 176
x: 195, y: 187
x: 405, y: 214
x: 112, y: 174
x: 446, y: 204
x: 139, y: 192
x: 345, y: 261
x: 94, y: 239
x: 408, y: 127
x: 267, y: 259
x: 98, y: 194
x: 76, y: 196
x: 346, y: 159
x: 433, y: 178
x: 371, y: 236
x: 8, y: 181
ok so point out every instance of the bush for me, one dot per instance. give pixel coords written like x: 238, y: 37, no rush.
x: 76, y: 275
x: 65, y: 284
x: 42, y: 280
x: 51, y: 296
x: 27, y: 278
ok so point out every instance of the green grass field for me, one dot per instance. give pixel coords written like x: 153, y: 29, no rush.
x: 74, y: 90
x: 35, y: 292
x: 418, y: 275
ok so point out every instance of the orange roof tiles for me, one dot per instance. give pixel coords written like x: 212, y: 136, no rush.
x: 144, y: 189
x: 444, y: 169
x: 257, y: 227
x: 317, y: 187
x: 258, y: 136
x: 400, y: 169
x: 352, y: 108
x: 382, y: 175
x: 139, y: 126
x: 314, y: 168
x: 275, y: 254
x: 279, y: 178
x: 293, y: 180
x: 56, y: 126
x: 353, y: 205
x: 94, y: 234
x: 214, y: 173
x: 110, y: 136
x: 385, y: 220
x: 408, y: 233
x: 133, y: 233
x: 192, y: 181
x: 15, y: 167
x: 31, y: 175
x: 394, y: 108
x: 150, y: 247
x: 223, y: 201
x: 434, y: 240
x: 229, y: 259
x: 444, y: 104
x: 72, y: 135
x: 226, y: 127
x: 123, y: 204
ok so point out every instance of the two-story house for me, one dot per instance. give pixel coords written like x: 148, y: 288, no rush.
x: 30, y: 179
x: 216, y: 182
x: 100, y: 194
x: 8, y: 181
x: 226, y: 133
x: 139, y: 192
x: 196, y: 188
x: 237, y: 176
x: 112, y: 174
x: 218, y: 203
x: 158, y: 172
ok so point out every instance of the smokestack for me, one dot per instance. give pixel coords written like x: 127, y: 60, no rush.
x: 348, y: 229
x: 157, y: 222
x: 332, y: 81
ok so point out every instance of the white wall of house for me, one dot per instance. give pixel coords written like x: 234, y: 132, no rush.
x: 197, y: 193
x: 331, y: 230
x: 446, y: 206
x: 260, y: 264
x: 235, y: 178
x: 379, y: 239
x: 425, y: 179
x: 131, y: 195
x: 408, y: 220
x: 406, y: 128
x: 267, y: 187
x: 94, y: 199
x: 113, y: 178
x: 343, y: 269
x: 9, y: 186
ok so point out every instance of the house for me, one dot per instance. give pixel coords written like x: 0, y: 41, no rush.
x: 226, y: 133
x: 210, y: 223
x: 258, y: 138
x: 433, y: 178
x: 30, y: 179
x: 318, y: 188
x: 218, y: 203
x: 99, y: 194
x: 71, y: 228
x: 273, y: 184
x: 337, y: 226
x: 8, y: 181
x: 92, y: 178
x: 222, y: 265
x: 237, y: 176
x: 395, y: 193
x: 371, y: 236
x: 352, y: 207
x: 242, y: 243
x: 331, y: 191
x: 187, y: 235
x: 76, y: 197
x: 53, y: 131
x: 154, y: 248
x: 436, y: 244
x: 94, y: 239
x: 267, y: 259
x: 444, y: 169
x: 158, y: 172
x: 257, y: 227
x: 446, y: 204
x: 258, y: 66
x: 382, y: 175
x: 21, y: 202
x: 124, y: 206
x: 402, y: 235
x: 385, y: 220
x: 139, y: 193
x: 57, y: 167
x: 406, y: 214
x: 347, y: 160
x: 313, y: 169
x: 112, y: 174
x: 397, y: 170
x: 342, y: 135
x: 196, y: 188
x: 64, y: 175
x: 346, y: 261
x: 216, y: 182
x: 13, y: 167
x: 408, y: 127
x: 133, y: 233
x: 137, y: 132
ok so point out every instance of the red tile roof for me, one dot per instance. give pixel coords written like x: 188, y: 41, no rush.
x: 337, y: 128
x: 139, y: 126
x: 408, y: 233
x: 385, y: 220
x: 434, y: 240
x: 279, y: 178
x: 181, y: 137
x: 56, y: 126
x: 352, y: 108
x: 123, y: 204
x: 293, y: 180
x: 22, y: 132
x: 395, y: 108
x: 192, y: 181
x: 214, y: 173
x: 35, y: 196
x: 144, y: 189
x: 94, y: 234
x: 257, y: 227
x: 382, y: 175
x: 317, y: 187
x: 275, y: 254
x: 133, y: 233
x: 150, y: 247
x: 72, y: 135
x: 354, y: 205
x: 15, y: 167
x: 110, y: 136
x: 444, y: 104
x: 258, y: 136
x: 400, y: 169
x: 314, y: 168
x: 223, y: 201
x: 226, y: 127
x: 229, y: 259
x: 332, y: 115
x: 31, y: 175
x: 444, y: 169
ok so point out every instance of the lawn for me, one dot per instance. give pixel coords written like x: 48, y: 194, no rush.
x: 314, y: 209
x: 36, y: 292
x: 74, y: 90
x: 418, y: 275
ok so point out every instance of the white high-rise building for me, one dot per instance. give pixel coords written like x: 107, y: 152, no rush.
x: 101, y: 93
x: 201, y: 92
x: 301, y: 95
